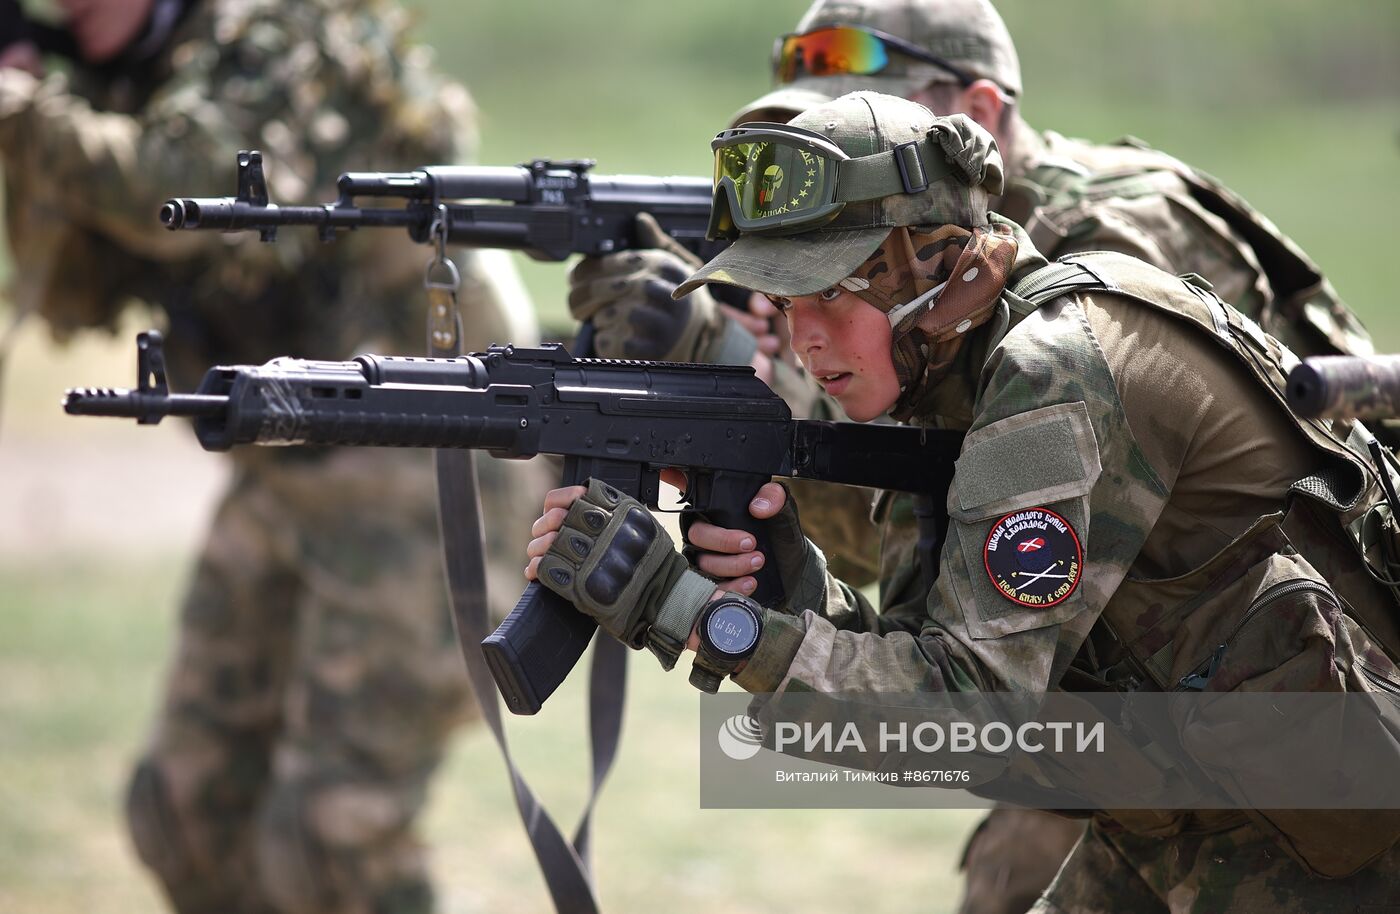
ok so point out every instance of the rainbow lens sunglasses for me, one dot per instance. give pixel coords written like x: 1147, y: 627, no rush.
x: 842, y: 50
x: 778, y: 179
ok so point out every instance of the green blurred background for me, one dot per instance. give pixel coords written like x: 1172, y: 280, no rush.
x: 1295, y: 104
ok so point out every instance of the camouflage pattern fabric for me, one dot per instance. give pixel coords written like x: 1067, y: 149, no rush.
x: 1235, y: 869
x: 1142, y: 202
x: 1143, y: 208
x: 1154, y: 469
x: 316, y: 679
x: 1073, y: 195
x: 866, y: 124
x: 313, y: 687
x: 999, y: 875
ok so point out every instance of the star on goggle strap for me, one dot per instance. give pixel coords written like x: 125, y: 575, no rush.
x: 780, y: 179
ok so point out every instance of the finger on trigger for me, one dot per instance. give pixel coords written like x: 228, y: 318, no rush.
x: 675, y: 479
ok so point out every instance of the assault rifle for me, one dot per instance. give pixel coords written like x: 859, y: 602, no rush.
x: 547, y: 209
x: 619, y: 421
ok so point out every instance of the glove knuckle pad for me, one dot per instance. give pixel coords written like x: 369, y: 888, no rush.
x: 635, y: 534
x: 606, y: 582
x: 659, y: 291
x: 619, y: 561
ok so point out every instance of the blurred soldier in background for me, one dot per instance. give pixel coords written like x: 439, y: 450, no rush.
x: 317, y: 677
x: 956, y: 56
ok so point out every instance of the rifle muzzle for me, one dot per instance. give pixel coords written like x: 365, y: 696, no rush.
x: 145, y: 408
x: 1346, y: 387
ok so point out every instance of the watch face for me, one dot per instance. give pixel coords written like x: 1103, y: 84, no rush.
x: 732, y: 629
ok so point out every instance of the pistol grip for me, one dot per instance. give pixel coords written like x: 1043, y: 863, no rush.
x: 722, y: 498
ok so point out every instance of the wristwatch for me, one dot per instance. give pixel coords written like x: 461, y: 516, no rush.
x: 729, y: 628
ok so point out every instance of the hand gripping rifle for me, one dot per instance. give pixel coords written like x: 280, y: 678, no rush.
x: 548, y: 209
x: 619, y: 421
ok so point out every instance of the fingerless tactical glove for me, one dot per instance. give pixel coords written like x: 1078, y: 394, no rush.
x: 613, y: 561
x: 628, y: 298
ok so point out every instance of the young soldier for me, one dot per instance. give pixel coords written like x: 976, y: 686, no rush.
x: 956, y: 56
x: 1132, y: 406
x: 316, y: 678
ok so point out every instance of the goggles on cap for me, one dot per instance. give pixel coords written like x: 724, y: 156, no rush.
x: 842, y: 50
x: 777, y: 179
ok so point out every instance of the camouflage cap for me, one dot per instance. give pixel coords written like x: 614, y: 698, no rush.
x: 863, y: 124
x: 969, y: 34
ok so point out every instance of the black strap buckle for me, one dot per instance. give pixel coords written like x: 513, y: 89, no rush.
x: 906, y: 159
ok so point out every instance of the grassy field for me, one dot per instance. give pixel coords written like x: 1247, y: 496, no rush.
x: 1292, y: 104
x: 80, y: 661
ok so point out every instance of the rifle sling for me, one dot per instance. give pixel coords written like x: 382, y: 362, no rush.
x: 565, y: 865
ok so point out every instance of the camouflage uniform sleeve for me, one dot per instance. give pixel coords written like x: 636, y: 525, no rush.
x: 110, y: 172
x: 245, y: 75
x: 1049, y: 466
x: 1168, y: 229
x: 836, y: 518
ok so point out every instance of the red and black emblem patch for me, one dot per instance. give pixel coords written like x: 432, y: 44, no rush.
x: 1033, y: 557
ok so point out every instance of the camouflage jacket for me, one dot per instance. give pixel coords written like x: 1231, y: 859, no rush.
x: 1074, y: 196
x: 1114, y: 450
x: 321, y: 87
x: 1133, y: 507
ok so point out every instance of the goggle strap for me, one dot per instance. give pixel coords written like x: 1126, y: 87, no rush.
x: 906, y: 169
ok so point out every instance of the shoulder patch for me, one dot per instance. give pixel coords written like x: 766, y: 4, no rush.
x: 1033, y: 557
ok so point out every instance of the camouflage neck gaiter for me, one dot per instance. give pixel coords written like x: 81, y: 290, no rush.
x: 935, y: 287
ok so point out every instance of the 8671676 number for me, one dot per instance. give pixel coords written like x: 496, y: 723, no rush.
x: 937, y: 776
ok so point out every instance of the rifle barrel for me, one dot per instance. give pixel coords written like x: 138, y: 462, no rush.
x: 1346, y: 387
x: 230, y: 214
x: 135, y: 404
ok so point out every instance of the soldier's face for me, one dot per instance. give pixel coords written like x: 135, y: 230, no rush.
x: 844, y: 342
x: 104, y: 28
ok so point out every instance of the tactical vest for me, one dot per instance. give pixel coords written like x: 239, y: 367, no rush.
x: 1300, y: 580
x: 1055, y: 201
